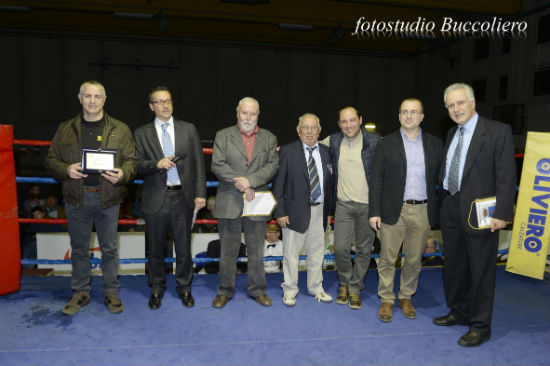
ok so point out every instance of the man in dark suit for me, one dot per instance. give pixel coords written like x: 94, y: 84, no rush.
x: 303, y: 190
x: 172, y: 165
x: 244, y: 160
x: 404, y: 204
x: 479, y: 163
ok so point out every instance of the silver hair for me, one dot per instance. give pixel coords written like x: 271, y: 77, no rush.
x: 248, y: 99
x: 467, y: 88
x: 309, y: 115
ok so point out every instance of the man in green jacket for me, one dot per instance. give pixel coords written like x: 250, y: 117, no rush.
x: 92, y: 198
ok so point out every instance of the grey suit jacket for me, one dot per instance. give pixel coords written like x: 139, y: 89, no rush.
x: 230, y: 161
x: 191, y: 167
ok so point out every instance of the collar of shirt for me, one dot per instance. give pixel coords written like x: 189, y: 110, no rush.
x: 305, y: 147
x: 406, y: 137
x: 470, y: 126
x: 249, y: 134
x: 159, y: 122
x: 354, y: 140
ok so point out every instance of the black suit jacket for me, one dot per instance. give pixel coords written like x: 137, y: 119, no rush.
x: 489, y: 170
x: 291, y: 186
x: 190, y: 166
x: 389, y: 174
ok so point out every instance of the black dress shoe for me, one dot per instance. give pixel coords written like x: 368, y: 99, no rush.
x: 473, y: 339
x: 187, y: 299
x: 155, y: 301
x: 448, y: 320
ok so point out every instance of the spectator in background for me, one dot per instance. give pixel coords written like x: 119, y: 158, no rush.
x: 213, y: 251
x: 207, y: 213
x: 28, y: 247
x: 432, y: 247
x: 33, y: 201
x: 273, y: 247
x: 53, y: 210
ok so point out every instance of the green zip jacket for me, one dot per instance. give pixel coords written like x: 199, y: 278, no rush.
x: 66, y: 149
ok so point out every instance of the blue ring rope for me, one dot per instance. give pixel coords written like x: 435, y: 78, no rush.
x: 207, y: 260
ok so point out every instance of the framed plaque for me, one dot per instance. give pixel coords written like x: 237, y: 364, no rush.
x: 97, y: 161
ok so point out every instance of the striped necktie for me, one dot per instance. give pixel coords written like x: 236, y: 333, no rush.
x: 455, y: 164
x: 168, y: 150
x: 314, y: 184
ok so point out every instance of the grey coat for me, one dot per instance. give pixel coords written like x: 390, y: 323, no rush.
x: 230, y: 161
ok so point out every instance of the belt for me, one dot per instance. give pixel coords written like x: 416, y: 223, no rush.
x: 413, y: 202
x: 174, y: 188
x: 91, y: 189
x: 314, y: 203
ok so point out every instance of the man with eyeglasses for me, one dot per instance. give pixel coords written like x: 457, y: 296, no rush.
x: 478, y: 163
x: 404, y: 204
x: 303, y: 190
x: 92, y: 198
x: 351, y: 151
x: 171, y: 161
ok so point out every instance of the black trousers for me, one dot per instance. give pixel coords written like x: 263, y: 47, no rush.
x: 174, y: 216
x: 470, y: 268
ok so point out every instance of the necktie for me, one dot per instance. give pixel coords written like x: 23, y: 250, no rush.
x: 168, y: 149
x: 314, y: 184
x: 455, y: 164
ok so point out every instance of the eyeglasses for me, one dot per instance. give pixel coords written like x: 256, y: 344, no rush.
x: 460, y: 104
x: 162, y: 102
x: 309, y: 128
x: 413, y: 113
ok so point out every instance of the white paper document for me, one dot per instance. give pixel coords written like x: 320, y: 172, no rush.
x: 99, y: 161
x: 262, y: 204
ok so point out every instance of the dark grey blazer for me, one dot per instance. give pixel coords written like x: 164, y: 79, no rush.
x: 489, y: 170
x: 389, y: 174
x: 191, y: 167
x: 292, y: 190
x: 230, y: 161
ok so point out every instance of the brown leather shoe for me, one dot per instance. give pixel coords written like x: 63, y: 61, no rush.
x: 264, y: 300
x: 343, y: 295
x: 407, y: 308
x: 355, y: 301
x: 220, y: 301
x: 386, y: 312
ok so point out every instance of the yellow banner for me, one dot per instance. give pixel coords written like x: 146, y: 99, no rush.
x: 531, y: 233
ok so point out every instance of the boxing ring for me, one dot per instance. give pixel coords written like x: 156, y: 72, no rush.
x: 33, y: 331
x: 96, y: 261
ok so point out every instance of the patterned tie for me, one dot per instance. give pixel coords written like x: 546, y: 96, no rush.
x: 168, y: 149
x: 314, y: 183
x: 455, y: 164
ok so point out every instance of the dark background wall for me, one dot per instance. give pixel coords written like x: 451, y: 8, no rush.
x: 44, y: 74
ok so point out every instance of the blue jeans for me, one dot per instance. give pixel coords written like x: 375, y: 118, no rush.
x: 80, y: 220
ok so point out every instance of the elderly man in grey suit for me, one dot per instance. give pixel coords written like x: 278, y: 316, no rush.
x: 171, y: 162
x: 244, y: 160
